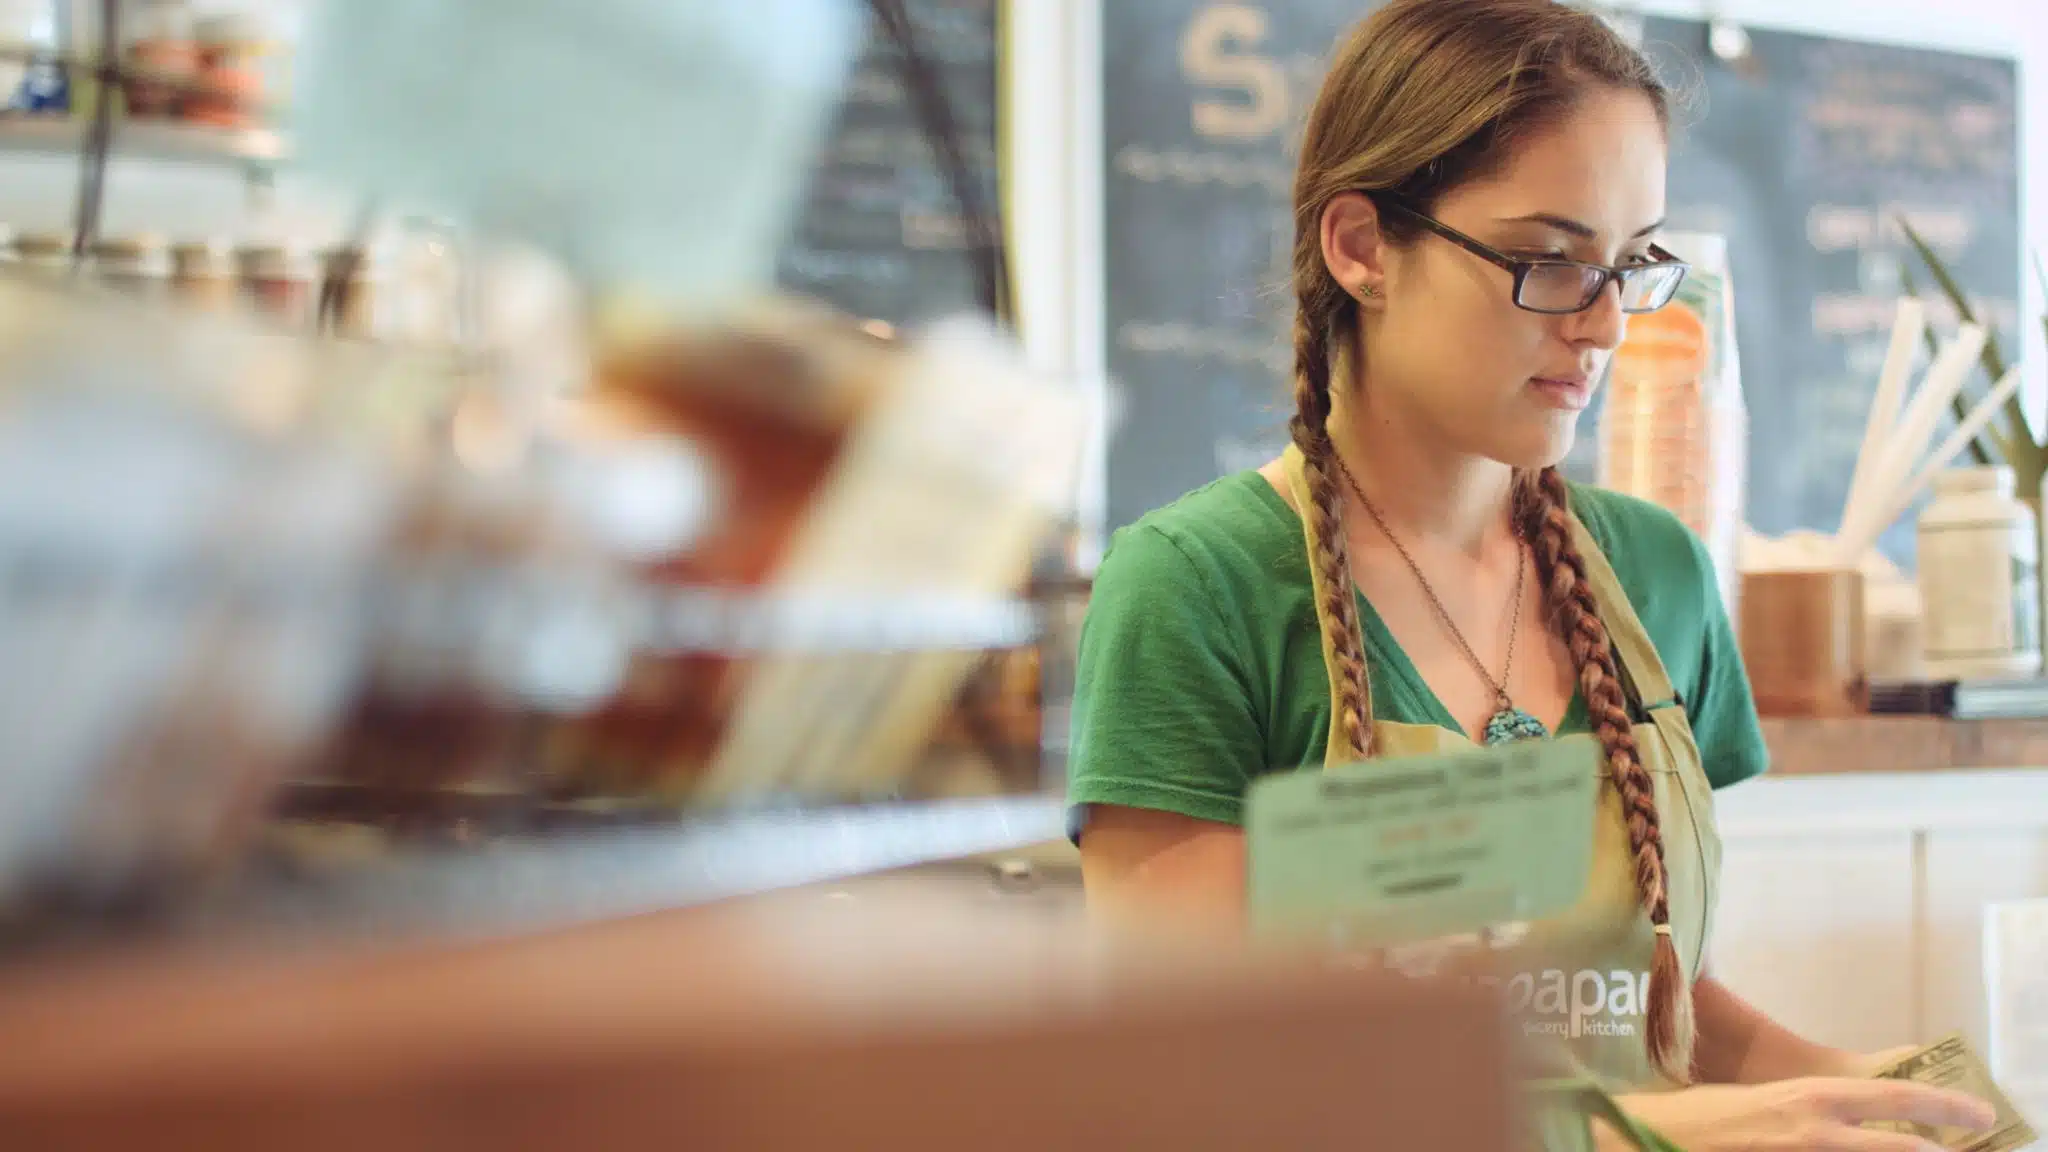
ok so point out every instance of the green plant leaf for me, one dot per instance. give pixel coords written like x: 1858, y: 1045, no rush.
x: 2023, y: 452
x: 2041, y: 275
x: 1959, y: 404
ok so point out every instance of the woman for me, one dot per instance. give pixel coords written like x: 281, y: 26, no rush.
x: 1479, y: 189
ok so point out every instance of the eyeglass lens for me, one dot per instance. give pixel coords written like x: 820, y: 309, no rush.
x: 1571, y: 287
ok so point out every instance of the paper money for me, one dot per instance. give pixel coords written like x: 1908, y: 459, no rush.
x: 1952, y: 1063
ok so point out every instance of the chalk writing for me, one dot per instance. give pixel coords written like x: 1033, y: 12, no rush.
x: 879, y: 234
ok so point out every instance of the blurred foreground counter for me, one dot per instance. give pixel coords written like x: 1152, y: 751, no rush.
x: 894, y: 1014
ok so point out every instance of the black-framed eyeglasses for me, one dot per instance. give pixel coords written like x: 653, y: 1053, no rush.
x: 1562, y: 287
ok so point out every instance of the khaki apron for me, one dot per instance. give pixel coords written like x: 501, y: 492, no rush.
x: 1583, y: 976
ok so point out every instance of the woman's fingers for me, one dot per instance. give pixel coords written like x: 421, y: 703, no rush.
x: 1846, y: 1138
x: 1902, y: 1101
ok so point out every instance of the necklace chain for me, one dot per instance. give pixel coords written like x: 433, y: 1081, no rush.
x: 1500, y: 693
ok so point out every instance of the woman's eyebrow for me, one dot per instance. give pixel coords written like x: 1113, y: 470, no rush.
x: 1572, y: 227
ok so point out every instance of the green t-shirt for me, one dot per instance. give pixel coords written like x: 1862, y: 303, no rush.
x: 1201, y: 662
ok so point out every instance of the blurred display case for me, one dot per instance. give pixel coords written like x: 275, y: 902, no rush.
x: 605, y: 567
x: 618, y: 723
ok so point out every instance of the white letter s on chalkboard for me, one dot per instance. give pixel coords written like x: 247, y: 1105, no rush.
x: 1207, y: 58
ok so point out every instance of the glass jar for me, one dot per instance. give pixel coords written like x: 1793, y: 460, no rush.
x: 276, y: 280
x: 203, y: 275
x: 1979, y: 559
x: 231, y: 50
x: 131, y: 263
x: 48, y: 252
x: 162, y: 57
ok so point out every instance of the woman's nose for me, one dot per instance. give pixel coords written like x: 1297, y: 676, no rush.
x: 1600, y: 324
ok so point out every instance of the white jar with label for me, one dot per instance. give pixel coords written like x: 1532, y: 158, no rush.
x: 1979, y: 560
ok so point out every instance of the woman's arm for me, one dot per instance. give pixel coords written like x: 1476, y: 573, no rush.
x: 1739, y: 1044
x: 1150, y: 867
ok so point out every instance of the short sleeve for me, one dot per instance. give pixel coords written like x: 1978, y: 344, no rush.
x: 1723, y: 712
x: 1163, y: 711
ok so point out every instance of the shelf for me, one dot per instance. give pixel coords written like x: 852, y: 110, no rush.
x: 145, y: 140
x: 319, y: 886
x: 746, y: 622
x: 449, y: 605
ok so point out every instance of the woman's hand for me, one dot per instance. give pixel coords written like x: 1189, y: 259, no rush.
x: 1822, y: 1113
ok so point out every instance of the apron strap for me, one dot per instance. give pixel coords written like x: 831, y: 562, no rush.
x: 1640, y: 664
x: 1295, y: 466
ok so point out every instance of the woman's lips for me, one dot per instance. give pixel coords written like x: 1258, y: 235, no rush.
x: 1571, y: 393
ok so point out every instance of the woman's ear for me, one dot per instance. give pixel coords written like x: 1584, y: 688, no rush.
x: 1354, y: 248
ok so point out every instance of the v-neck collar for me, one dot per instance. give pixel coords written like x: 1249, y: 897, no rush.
x: 1381, y: 647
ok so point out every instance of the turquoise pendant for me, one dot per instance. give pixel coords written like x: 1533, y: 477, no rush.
x: 1511, y: 724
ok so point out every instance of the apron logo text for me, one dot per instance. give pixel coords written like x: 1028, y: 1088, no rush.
x: 1578, y: 1004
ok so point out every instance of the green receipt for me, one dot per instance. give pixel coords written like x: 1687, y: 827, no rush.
x: 1415, y: 848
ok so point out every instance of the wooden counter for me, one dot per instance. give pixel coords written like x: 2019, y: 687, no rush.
x: 1890, y: 745
x: 903, y: 1020
x: 1903, y: 744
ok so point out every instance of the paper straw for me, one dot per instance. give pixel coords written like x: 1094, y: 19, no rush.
x: 1909, y: 438
x: 1907, y: 326
x: 1972, y: 424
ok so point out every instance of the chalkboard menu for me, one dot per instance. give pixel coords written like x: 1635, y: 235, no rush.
x: 1802, y: 155
x: 1202, y: 107
x: 880, y: 235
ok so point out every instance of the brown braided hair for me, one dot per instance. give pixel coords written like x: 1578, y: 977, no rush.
x: 1421, y: 97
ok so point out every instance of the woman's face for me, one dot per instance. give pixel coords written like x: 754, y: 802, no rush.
x: 1445, y: 344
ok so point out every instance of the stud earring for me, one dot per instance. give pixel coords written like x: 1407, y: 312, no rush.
x: 1368, y: 292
